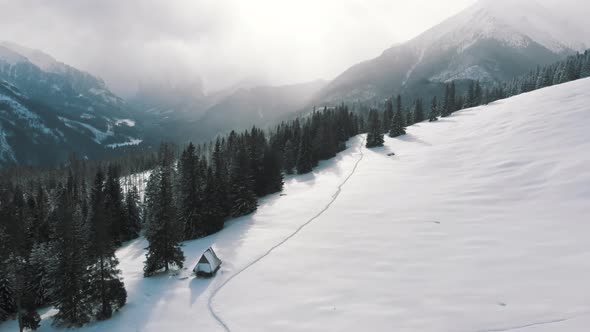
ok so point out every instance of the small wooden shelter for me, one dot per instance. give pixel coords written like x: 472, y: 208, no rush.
x: 208, y: 264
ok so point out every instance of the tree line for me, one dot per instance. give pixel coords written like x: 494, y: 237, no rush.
x: 394, y: 118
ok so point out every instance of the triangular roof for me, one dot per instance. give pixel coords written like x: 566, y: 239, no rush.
x: 209, y: 257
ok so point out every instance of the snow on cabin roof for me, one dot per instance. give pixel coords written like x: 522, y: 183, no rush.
x: 209, y: 257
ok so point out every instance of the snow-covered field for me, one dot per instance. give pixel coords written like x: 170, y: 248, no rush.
x: 480, y: 222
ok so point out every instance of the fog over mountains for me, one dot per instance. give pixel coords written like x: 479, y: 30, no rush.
x: 49, y: 108
x: 486, y: 42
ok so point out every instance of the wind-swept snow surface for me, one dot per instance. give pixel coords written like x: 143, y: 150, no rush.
x: 480, y: 222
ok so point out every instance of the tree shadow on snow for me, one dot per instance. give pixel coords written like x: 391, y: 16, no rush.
x: 413, y: 139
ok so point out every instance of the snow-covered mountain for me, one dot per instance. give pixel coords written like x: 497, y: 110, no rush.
x: 493, y: 40
x: 478, y: 223
x: 49, y: 110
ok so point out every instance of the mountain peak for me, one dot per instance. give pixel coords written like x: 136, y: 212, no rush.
x: 40, y: 59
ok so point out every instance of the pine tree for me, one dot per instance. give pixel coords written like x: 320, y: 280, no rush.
x: 7, y: 302
x: 113, y: 198
x: 272, y: 170
x: 570, y: 73
x: 304, y: 159
x: 410, y: 117
x: 106, y: 289
x: 585, y: 72
x: 213, y: 215
x: 388, y: 114
x: 242, y: 196
x: 189, y: 193
x: 477, y: 94
x: 433, y: 116
x: 162, y: 231
x: 20, y: 277
x: 220, y: 170
x: 41, y: 258
x: 470, y: 100
x: 69, y: 276
x: 132, y: 212
x: 449, y: 101
x: 418, y: 111
x: 397, y: 125
x: 452, y: 98
x: 374, y: 134
x: 289, y: 157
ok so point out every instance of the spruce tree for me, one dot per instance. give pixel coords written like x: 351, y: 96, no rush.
x: 387, y: 115
x: 70, y: 282
x: 213, y: 215
x: 189, y: 193
x: 113, y: 204
x: 304, y: 158
x: 20, y: 277
x: 585, y: 72
x: 106, y: 291
x: 410, y: 117
x: 221, y: 172
x: 397, y: 127
x: 477, y: 94
x: 41, y: 258
x: 374, y: 133
x: 7, y: 302
x: 418, y: 111
x: 272, y: 170
x: 132, y: 212
x: 289, y: 157
x: 163, y: 230
x: 446, y: 109
x: 433, y: 116
x: 242, y: 196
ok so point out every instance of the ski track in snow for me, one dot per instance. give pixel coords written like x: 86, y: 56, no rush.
x: 269, y: 251
x: 527, y: 325
x: 524, y: 326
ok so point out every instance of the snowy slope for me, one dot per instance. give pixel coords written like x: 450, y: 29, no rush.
x: 478, y: 223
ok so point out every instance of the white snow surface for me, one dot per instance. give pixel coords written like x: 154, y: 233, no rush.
x: 480, y: 222
x: 131, y: 141
x: 126, y: 122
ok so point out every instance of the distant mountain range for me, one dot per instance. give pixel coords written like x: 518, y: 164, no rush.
x: 232, y: 109
x: 49, y: 109
x: 494, y: 40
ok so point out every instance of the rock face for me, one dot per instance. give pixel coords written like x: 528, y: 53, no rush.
x: 485, y: 42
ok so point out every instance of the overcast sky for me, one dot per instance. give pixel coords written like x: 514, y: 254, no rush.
x: 220, y: 41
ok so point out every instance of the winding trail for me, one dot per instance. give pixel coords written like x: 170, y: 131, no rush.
x: 547, y: 322
x: 224, y: 283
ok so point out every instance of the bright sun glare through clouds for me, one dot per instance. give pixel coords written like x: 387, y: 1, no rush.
x: 276, y: 42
